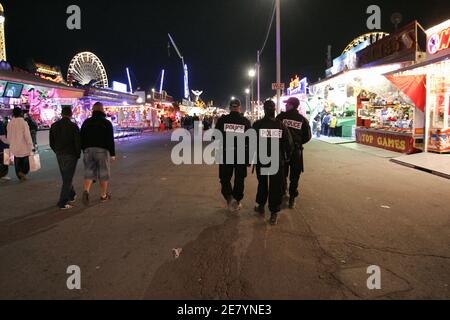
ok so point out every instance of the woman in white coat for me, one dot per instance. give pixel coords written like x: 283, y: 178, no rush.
x: 20, y: 143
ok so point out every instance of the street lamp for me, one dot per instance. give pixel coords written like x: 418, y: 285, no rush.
x: 247, y: 92
x: 278, y: 45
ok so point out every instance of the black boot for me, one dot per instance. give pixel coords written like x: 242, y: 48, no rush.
x: 260, y: 209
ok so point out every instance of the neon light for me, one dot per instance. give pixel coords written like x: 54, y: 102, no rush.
x: 162, y: 81
x: 186, y: 83
x: 129, y: 80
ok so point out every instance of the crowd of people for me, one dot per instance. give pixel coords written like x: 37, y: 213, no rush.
x: 325, y: 124
x: 95, y: 140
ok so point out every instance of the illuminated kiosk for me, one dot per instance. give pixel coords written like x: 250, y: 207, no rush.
x: 434, y: 97
x: 375, y: 112
x: 2, y: 34
x: 41, y: 97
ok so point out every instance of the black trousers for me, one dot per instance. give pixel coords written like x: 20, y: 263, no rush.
x: 67, y: 167
x: 270, y: 188
x: 292, y: 172
x: 22, y: 165
x: 226, y: 173
x: 3, y: 169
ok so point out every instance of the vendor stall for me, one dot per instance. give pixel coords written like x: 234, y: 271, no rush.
x: 42, y: 98
x: 428, y: 84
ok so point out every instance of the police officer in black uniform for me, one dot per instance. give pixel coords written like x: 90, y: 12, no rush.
x: 301, y: 134
x: 270, y: 187
x: 231, y: 126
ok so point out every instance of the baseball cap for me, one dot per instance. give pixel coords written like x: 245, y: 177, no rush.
x: 235, y: 103
x: 293, y: 101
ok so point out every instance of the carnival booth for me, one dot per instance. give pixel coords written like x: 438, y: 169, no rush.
x: 428, y: 85
x: 42, y: 98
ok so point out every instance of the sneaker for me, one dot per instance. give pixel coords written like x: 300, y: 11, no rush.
x: 74, y: 199
x: 292, y: 203
x: 106, y: 198
x: 6, y: 179
x: 86, y: 198
x: 274, y: 219
x: 66, y: 207
x: 232, y: 205
x: 22, y: 177
x: 260, y: 209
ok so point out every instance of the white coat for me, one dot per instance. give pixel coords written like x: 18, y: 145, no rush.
x: 19, y: 138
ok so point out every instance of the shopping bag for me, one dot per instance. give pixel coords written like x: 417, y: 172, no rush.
x: 35, y: 162
x: 8, y: 158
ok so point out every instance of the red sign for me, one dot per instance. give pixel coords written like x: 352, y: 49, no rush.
x: 397, y: 47
x: 439, y: 41
x: 278, y: 86
x: 397, y: 142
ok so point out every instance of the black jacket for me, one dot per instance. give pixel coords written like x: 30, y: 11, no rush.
x: 286, y: 143
x: 65, y: 138
x: 235, y: 124
x: 98, y: 132
x: 298, y: 126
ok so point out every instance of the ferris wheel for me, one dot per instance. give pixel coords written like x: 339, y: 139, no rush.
x: 372, y: 37
x: 86, y: 68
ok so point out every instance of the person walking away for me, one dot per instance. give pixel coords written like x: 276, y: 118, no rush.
x: 65, y: 141
x: 232, y: 125
x: 333, y: 125
x: 301, y: 134
x: 3, y: 145
x: 97, y: 143
x: 270, y: 187
x: 33, y: 128
x: 326, y: 125
x: 20, y: 143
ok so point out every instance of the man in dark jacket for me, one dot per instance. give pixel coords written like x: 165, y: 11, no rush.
x: 97, y: 143
x: 231, y: 126
x: 301, y: 134
x: 65, y: 142
x: 271, y: 131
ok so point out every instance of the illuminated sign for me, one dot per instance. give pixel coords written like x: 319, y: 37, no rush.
x: 120, y: 87
x: 298, y: 86
x: 438, y: 38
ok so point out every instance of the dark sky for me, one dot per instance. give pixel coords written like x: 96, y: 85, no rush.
x: 219, y: 38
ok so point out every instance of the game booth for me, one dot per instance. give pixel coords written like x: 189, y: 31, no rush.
x: 428, y: 84
x: 42, y: 98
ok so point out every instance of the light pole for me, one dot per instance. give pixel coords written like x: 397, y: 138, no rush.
x: 247, y: 92
x: 258, y: 72
x: 278, y: 13
x: 251, y: 74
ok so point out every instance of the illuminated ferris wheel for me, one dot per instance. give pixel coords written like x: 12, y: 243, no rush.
x: 372, y: 37
x: 87, y: 69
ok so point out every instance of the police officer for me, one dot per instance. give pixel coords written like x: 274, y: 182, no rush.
x: 301, y: 134
x: 270, y: 130
x: 231, y: 126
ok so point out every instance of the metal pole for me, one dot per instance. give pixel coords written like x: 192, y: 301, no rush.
x: 278, y: 13
x: 258, y: 66
x: 253, y: 99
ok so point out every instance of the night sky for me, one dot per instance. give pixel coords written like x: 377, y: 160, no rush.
x: 218, y: 38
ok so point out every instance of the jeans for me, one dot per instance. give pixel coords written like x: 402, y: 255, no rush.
x: 22, y: 165
x: 67, y: 166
